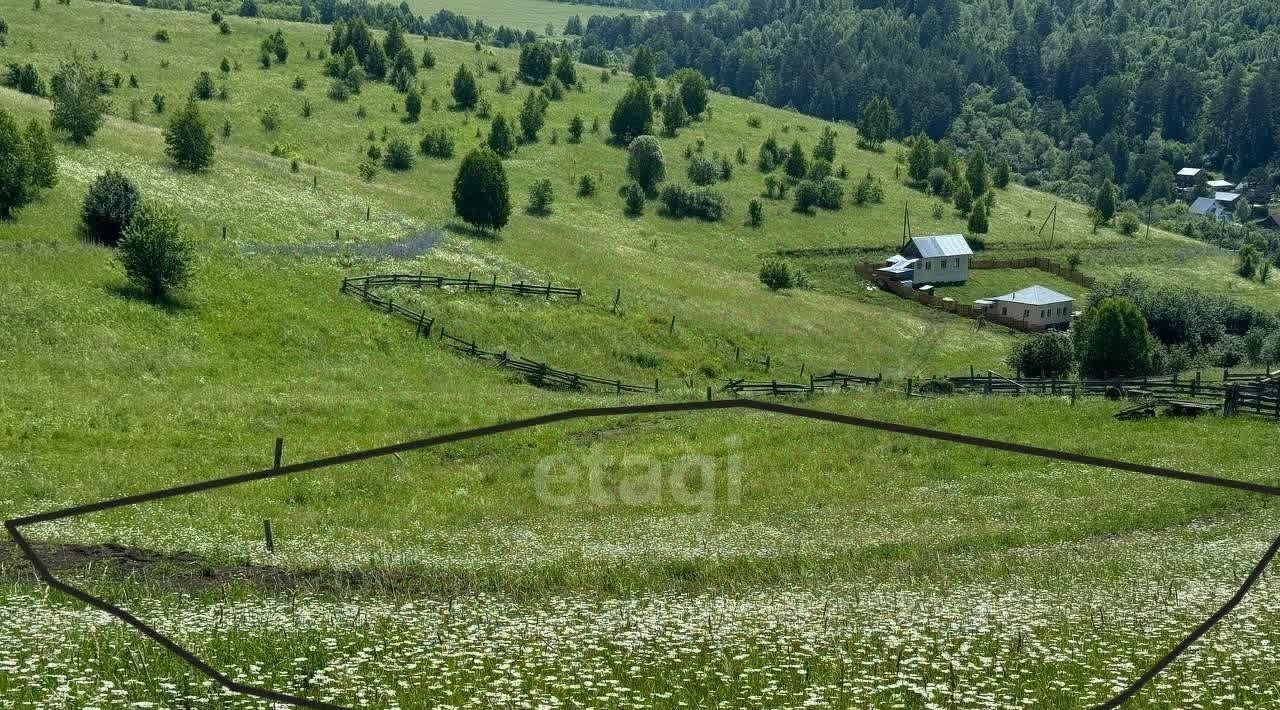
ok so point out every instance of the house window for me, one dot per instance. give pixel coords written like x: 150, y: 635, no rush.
x: 1026, y: 313
x: 927, y: 264
x: 1004, y: 311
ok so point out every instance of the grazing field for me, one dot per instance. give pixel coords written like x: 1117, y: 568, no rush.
x: 663, y: 561
x: 517, y: 14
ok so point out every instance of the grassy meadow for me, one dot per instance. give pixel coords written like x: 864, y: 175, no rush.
x: 725, y: 559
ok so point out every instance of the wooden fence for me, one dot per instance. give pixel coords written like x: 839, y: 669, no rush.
x: 1238, y: 393
x: 466, y: 284
x: 537, y: 373
x: 831, y: 380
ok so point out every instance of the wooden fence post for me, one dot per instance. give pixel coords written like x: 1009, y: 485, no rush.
x: 315, y: 181
x: 908, y: 387
x: 616, y: 298
x: 708, y: 393
x: 279, y: 452
x: 271, y: 542
x: 368, y: 212
x: 672, y: 328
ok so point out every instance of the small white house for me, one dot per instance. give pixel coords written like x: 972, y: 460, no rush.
x: 1036, y: 307
x: 932, y: 260
x: 1208, y: 207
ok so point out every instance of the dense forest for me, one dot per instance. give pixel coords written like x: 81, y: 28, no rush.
x: 1069, y: 91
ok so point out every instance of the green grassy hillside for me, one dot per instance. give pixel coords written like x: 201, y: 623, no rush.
x: 840, y: 567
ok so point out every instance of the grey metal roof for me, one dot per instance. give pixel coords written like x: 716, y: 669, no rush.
x: 905, y: 266
x: 1226, y: 196
x: 1036, y: 295
x: 1190, y: 172
x: 942, y: 245
x: 1204, y: 205
x: 1219, y: 184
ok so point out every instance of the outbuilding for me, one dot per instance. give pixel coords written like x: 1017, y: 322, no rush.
x: 938, y: 259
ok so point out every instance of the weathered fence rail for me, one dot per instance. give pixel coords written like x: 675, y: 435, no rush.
x: 541, y: 374
x: 832, y: 380
x: 360, y: 289
x: 466, y: 284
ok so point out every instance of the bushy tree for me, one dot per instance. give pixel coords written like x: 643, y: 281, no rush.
x: 633, y: 114
x: 1112, y: 340
x: 755, y: 212
x: 576, y: 127
x: 78, y: 105
x: 535, y: 62
x: 15, y: 167
x: 1047, y: 356
x: 693, y: 91
x: 502, y: 137
x: 674, y: 116
x: 586, y: 185
x: 771, y: 155
x: 645, y: 164
x: 808, y: 194
x: 480, y: 193
x: 565, y: 70
x: 643, y: 65
x: 42, y: 159
x: 155, y: 254
x: 1000, y: 177
x: 877, y: 123
x: 541, y: 195
x: 700, y: 202
x: 465, y: 91
x: 830, y: 194
x: 188, y: 140
x: 108, y: 206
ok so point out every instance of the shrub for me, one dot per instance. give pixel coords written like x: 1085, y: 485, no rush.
x: 776, y: 275
x: 830, y: 194
x: 42, y: 161
x: 1048, y: 356
x: 399, y: 156
x: 633, y: 114
x: 224, y: 28
x: 161, y: 35
x: 156, y: 256
x: 633, y: 199
x: 586, y: 185
x: 575, y: 129
x: 307, y: 108
x: 412, y: 105
x: 645, y: 164
x: 299, y: 83
x: 502, y: 139
x: 700, y: 202
x: 540, y: 197
x: 1129, y: 224
x: 701, y: 170
x: 339, y: 91
x: 437, y: 143
x: 755, y: 212
x: 270, y: 117
x: 807, y: 195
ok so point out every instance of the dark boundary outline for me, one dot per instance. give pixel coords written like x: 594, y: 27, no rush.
x: 42, y: 572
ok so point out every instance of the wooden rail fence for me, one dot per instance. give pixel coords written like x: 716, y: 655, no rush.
x: 466, y: 284
x: 541, y: 374
x: 832, y: 380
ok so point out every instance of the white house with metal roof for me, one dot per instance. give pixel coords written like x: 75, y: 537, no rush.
x: 1036, y: 307
x: 932, y: 260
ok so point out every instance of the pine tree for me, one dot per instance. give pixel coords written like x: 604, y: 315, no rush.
x: 43, y: 161
x: 480, y: 191
x: 15, y: 175
x: 826, y: 148
x: 963, y: 196
x: 576, y: 127
x: 412, y: 105
x: 566, y: 72
x: 978, y: 218
x: 465, y: 91
x: 643, y: 65
x: 502, y: 139
x: 920, y: 160
x: 1105, y: 201
x: 633, y: 114
x: 532, y: 116
x: 394, y: 41
x: 797, y: 166
x: 976, y: 171
x: 188, y: 141
x: 1000, y: 177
